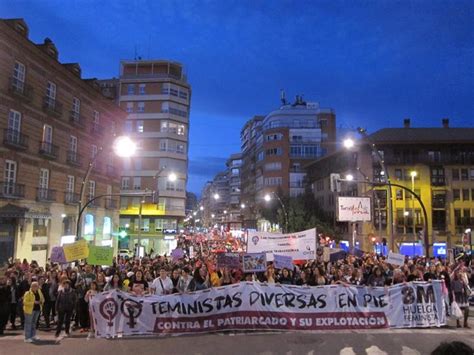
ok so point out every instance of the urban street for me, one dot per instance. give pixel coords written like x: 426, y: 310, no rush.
x: 237, y: 177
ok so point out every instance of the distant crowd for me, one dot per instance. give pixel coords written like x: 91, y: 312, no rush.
x: 57, y: 296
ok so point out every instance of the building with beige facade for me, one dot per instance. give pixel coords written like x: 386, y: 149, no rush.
x: 443, y: 161
x: 54, y: 123
x: 156, y: 96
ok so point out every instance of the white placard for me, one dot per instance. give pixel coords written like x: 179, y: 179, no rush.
x: 353, y: 209
x: 300, y: 246
x: 395, y: 259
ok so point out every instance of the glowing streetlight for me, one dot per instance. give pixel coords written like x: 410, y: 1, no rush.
x: 225, y: 211
x: 406, y: 213
x: 216, y: 196
x: 413, y: 174
x: 242, y: 205
x: 124, y: 147
x: 348, y: 143
x: 195, y: 213
x: 172, y: 177
x: 267, y: 198
x: 213, y: 215
x: 201, y: 208
x: 349, y: 177
x: 63, y: 215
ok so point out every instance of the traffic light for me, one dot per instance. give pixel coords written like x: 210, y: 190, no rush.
x: 335, y: 183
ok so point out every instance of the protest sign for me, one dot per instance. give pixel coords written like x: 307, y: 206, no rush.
x: 177, y: 254
x: 76, y: 251
x: 255, y: 306
x: 337, y: 255
x: 230, y: 260
x: 300, y: 246
x: 100, y: 255
x: 254, y: 262
x: 57, y: 255
x: 353, y: 209
x: 395, y: 259
x: 282, y: 262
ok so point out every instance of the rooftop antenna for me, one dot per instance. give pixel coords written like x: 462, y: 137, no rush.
x: 283, y: 97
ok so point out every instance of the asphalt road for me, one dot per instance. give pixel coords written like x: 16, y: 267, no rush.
x: 371, y: 342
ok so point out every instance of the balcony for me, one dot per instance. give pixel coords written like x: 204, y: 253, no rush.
x: 71, y: 198
x: 73, y: 158
x: 111, y: 204
x: 76, y: 119
x: 15, y: 139
x: 12, y: 190
x: 465, y: 221
x: 20, y: 89
x: 52, y: 106
x: 49, y: 150
x: 45, y: 195
x: 97, y: 129
x: 111, y: 171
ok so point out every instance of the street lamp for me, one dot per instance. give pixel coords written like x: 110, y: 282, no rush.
x: 213, y: 215
x: 242, y: 205
x: 413, y: 175
x: 201, y: 208
x: 172, y: 177
x: 195, y: 213
x: 348, y: 143
x: 268, y: 198
x: 349, y: 177
x: 123, y: 147
x: 216, y: 196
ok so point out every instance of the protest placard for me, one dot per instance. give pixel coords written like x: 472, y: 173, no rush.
x: 57, y: 255
x: 254, y: 262
x: 76, y: 251
x: 282, y: 262
x: 395, y: 259
x: 177, y: 254
x: 99, y: 255
x: 230, y: 260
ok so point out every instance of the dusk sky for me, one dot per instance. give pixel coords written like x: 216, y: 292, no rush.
x: 374, y: 62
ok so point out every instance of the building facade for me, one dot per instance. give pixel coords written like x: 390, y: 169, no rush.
x: 443, y: 162
x: 275, y: 149
x: 156, y: 96
x: 54, y: 123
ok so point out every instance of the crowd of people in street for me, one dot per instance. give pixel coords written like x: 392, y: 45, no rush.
x: 56, y: 297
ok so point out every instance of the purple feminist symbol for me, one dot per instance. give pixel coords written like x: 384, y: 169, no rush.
x: 255, y: 239
x: 131, y: 309
x: 108, y: 309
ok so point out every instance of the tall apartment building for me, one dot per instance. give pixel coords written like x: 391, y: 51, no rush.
x: 443, y: 159
x: 275, y: 149
x: 156, y: 96
x: 54, y: 123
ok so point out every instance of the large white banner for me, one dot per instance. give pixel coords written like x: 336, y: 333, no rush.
x: 353, y: 209
x: 300, y: 246
x: 255, y: 306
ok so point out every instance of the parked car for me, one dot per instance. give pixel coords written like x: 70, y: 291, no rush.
x: 125, y: 253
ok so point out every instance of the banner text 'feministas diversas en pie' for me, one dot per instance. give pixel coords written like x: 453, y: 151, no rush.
x: 255, y: 306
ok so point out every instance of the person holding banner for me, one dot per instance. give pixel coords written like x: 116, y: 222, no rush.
x: 162, y: 285
x: 285, y: 277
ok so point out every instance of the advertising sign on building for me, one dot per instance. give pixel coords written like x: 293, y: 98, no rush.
x: 353, y: 209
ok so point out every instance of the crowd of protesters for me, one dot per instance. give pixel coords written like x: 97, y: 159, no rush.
x: 57, y: 296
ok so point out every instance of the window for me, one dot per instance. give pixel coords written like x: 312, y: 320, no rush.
x: 456, y: 194
x: 296, y: 138
x: 434, y: 156
x: 76, y: 105
x: 437, y: 176
x: 137, y: 183
x: 141, y: 107
x: 73, y: 144
x: 180, y: 148
x: 455, y: 174
x: 181, y: 132
x: 141, y: 89
x: 140, y: 126
x: 145, y: 225
x: 398, y: 174
x: 273, y: 181
x: 235, y: 171
x: 129, y: 107
x: 9, y: 176
x: 273, y: 166
x: 439, y: 199
x: 14, y: 126
x: 464, y: 174
x: 457, y: 217
x: 96, y: 118
x: 91, y: 189
x: 274, y: 137
x: 40, y: 227
x: 70, y: 183
x: 170, y: 185
x: 260, y: 156
x: 51, y: 91
x: 273, y: 151
x: 47, y: 134
x: 465, y: 195
x: 19, y: 76
x: 89, y: 224
x: 471, y: 174
x: 399, y: 194
x: 131, y: 89
x: 44, y: 179
x: 128, y: 126
x: 125, y: 183
x: 439, y: 220
x: 107, y: 231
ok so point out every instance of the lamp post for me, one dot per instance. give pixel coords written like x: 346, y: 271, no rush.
x: 348, y: 144
x: 123, y: 147
x: 268, y: 198
x: 413, y: 174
